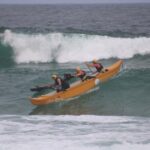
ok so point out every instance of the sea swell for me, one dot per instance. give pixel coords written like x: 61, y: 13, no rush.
x: 68, y: 47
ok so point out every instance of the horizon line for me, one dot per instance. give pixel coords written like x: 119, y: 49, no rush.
x: 80, y: 3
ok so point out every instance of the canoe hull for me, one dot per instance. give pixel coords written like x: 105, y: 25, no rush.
x: 79, y: 87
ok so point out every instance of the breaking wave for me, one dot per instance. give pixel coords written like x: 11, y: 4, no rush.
x: 67, y: 47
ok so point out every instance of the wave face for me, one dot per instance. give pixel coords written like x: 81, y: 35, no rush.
x: 61, y: 47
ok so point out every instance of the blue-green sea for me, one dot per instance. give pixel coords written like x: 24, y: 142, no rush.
x: 37, y: 41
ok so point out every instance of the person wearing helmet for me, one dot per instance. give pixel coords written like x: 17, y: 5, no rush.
x: 80, y: 74
x: 98, y: 66
x: 60, y: 84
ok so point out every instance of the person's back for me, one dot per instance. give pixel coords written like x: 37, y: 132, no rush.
x: 65, y: 85
x: 60, y: 84
x: 80, y: 73
x: 98, y: 66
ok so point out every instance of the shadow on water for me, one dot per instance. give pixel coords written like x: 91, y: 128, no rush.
x: 85, y: 105
x: 95, y: 102
x: 77, y: 106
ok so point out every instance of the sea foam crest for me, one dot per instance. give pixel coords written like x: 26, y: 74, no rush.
x: 63, y: 47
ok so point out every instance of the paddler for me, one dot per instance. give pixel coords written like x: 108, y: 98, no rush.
x: 60, y: 84
x: 80, y: 74
x: 98, y: 66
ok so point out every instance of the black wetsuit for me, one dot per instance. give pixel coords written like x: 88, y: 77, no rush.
x: 64, y: 84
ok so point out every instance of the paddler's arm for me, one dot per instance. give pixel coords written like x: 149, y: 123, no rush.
x: 59, y: 82
x: 89, y: 65
x: 77, y: 74
x: 45, y: 85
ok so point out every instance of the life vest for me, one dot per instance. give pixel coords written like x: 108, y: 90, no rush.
x: 82, y: 74
x: 56, y: 81
x: 98, y: 67
x: 64, y: 84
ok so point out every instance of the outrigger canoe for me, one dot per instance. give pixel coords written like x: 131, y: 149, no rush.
x: 78, y: 88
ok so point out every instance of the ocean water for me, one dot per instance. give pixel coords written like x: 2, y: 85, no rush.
x: 39, y: 40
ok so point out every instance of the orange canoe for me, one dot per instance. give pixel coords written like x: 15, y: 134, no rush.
x: 79, y: 87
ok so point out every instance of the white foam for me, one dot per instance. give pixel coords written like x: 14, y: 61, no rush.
x: 73, y: 132
x: 83, y: 118
x: 69, y: 146
x: 72, y: 47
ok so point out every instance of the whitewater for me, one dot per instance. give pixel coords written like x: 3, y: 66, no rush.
x: 74, y: 132
x: 62, y: 48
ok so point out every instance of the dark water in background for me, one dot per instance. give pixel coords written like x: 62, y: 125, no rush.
x: 39, y: 40
x: 127, y: 20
